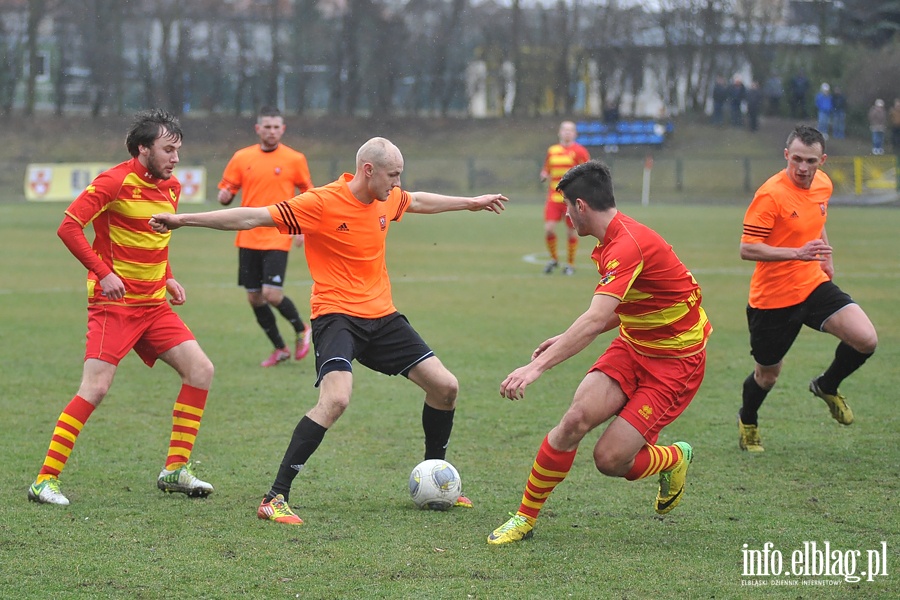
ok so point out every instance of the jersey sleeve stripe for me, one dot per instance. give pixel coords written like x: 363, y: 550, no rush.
x: 756, y: 230
x: 287, y: 215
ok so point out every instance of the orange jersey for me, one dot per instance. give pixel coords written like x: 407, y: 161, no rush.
x: 344, y: 241
x: 559, y: 160
x: 119, y: 204
x: 265, y: 178
x: 660, y: 310
x: 786, y: 216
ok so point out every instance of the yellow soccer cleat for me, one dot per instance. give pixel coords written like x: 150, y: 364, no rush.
x: 519, y: 527
x: 748, y: 437
x: 671, y: 482
x: 837, y: 404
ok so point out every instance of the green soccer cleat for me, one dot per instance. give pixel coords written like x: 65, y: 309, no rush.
x: 182, y: 480
x: 47, y: 492
x: 277, y: 510
x: 671, y: 482
x: 837, y: 404
x: 748, y: 437
x: 519, y: 527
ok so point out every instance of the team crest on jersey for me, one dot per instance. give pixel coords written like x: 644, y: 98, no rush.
x: 608, y: 277
x: 173, y: 195
x: 278, y: 170
x: 822, y: 208
x: 382, y: 222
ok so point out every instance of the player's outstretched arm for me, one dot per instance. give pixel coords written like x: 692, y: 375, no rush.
x: 232, y: 219
x: 599, y: 317
x: 430, y: 203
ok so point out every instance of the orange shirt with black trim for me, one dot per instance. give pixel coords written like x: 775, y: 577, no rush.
x: 264, y: 178
x: 118, y: 204
x: 558, y: 161
x: 659, y: 310
x: 786, y: 216
x: 344, y: 241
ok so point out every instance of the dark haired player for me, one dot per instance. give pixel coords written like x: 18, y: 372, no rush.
x: 128, y: 278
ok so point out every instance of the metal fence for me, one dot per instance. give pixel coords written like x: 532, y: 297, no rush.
x: 868, y: 179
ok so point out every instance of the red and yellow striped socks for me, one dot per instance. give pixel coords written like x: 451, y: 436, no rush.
x: 650, y: 460
x: 571, y: 249
x: 185, y: 424
x: 70, y: 423
x: 551, y: 246
x: 549, y: 469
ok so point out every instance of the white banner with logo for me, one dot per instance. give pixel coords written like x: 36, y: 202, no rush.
x: 64, y: 181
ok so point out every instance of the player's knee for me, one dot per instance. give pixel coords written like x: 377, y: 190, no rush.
x: 573, y: 426
x: 201, y: 373
x: 608, y: 463
x: 868, y: 343
x: 335, y: 404
x: 447, y: 390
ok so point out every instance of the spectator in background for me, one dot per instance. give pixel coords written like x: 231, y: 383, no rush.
x: 799, y: 89
x: 719, y: 97
x: 823, y: 108
x: 736, y: 96
x: 611, y: 112
x: 754, y: 103
x: 773, y: 91
x: 838, y: 113
x: 877, y: 123
x: 894, y: 117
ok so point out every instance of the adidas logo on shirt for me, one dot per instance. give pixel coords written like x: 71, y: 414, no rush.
x: 343, y: 227
x: 794, y: 215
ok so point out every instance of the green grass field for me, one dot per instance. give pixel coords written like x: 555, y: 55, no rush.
x: 463, y: 282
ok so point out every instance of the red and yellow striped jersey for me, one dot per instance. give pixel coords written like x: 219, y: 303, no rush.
x: 118, y: 204
x: 345, y: 246
x: 660, y: 310
x: 784, y: 215
x: 558, y: 161
x: 265, y: 178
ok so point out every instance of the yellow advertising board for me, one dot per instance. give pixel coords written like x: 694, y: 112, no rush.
x: 64, y: 181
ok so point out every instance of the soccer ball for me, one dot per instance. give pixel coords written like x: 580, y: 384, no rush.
x: 434, y: 484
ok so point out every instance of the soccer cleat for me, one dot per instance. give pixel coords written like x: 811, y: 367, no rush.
x: 302, y: 348
x: 519, y: 527
x: 182, y: 480
x: 277, y: 510
x: 47, y: 492
x: 463, y: 502
x: 837, y: 404
x: 671, y: 482
x: 278, y: 356
x: 749, y: 437
x: 568, y: 270
x: 550, y: 266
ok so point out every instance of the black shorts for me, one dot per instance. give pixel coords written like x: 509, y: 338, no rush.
x: 388, y: 345
x: 257, y: 268
x: 773, y: 331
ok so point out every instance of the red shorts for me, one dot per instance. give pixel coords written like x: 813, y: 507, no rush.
x: 555, y: 211
x: 658, y: 389
x: 113, y: 330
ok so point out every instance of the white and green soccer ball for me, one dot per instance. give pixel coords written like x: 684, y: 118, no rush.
x: 434, y: 484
